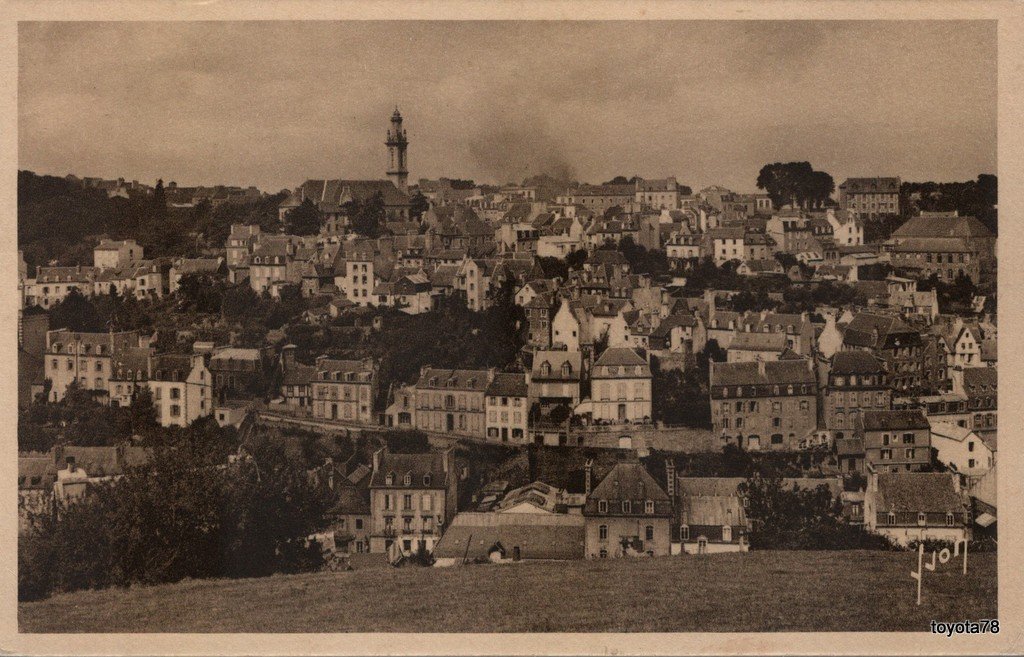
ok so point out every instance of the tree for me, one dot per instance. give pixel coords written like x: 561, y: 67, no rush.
x: 77, y: 313
x: 303, y: 220
x: 183, y: 514
x: 368, y: 217
x: 418, y: 204
x: 796, y: 183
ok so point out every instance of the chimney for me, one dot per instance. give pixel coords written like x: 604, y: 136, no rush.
x: 376, y: 459
x: 588, y: 476
x: 446, y: 460
x: 288, y: 356
x: 670, y: 478
x: 760, y: 367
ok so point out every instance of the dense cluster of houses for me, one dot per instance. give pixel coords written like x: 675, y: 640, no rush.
x: 896, y: 390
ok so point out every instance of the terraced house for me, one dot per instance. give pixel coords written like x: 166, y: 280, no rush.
x: 453, y: 401
x: 344, y: 390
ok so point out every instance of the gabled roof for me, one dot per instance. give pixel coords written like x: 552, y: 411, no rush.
x: 929, y: 492
x: 475, y: 535
x: 629, y: 481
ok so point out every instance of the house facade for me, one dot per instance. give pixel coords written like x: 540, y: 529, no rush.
x: 627, y: 514
x: 412, y: 499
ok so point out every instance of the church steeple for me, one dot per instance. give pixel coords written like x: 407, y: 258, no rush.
x: 397, y: 144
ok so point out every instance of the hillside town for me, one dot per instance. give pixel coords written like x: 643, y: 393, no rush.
x: 542, y: 370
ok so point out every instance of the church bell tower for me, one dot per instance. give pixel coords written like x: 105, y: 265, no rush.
x: 398, y: 171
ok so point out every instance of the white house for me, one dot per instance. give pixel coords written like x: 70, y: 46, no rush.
x: 182, y: 388
x: 961, y: 449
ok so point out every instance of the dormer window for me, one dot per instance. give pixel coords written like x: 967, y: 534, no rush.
x: 545, y: 368
x: 566, y: 369
x: 921, y: 518
x: 407, y: 480
x: 891, y: 518
x: 602, y: 506
x: 949, y: 520
x: 649, y: 507
x: 627, y: 506
x: 426, y: 479
x: 390, y: 479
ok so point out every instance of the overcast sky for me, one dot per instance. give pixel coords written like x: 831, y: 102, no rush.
x: 275, y: 103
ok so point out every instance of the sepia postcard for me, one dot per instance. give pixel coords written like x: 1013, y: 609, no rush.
x: 528, y: 328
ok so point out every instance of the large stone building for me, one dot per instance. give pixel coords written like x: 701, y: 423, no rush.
x: 857, y: 382
x: 85, y: 359
x: 628, y: 513
x: 870, y: 198
x: 944, y: 245
x: 412, y: 499
x: 764, y: 405
x: 453, y: 401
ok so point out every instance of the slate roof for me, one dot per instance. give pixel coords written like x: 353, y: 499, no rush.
x: 415, y: 465
x: 980, y: 381
x: 333, y: 193
x: 775, y: 372
x: 856, y: 362
x: 628, y: 481
x: 850, y: 446
x: 756, y: 341
x: 508, y: 384
x: 942, y: 227
x: 871, y: 185
x: 716, y: 510
x: 474, y: 535
x: 445, y: 379
x: 556, y: 358
x: 894, y: 420
x: 928, y: 492
x: 860, y: 332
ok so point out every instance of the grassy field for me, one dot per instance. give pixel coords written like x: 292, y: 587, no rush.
x: 757, y: 591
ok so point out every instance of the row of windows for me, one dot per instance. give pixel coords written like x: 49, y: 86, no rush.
x: 775, y: 391
x: 922, y: 519
x: 517, y: 402
x: 426, y: 499
x: 602, y: 532
x: 886, y: 454
x: 627, y: 506
x: 517, y: 417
